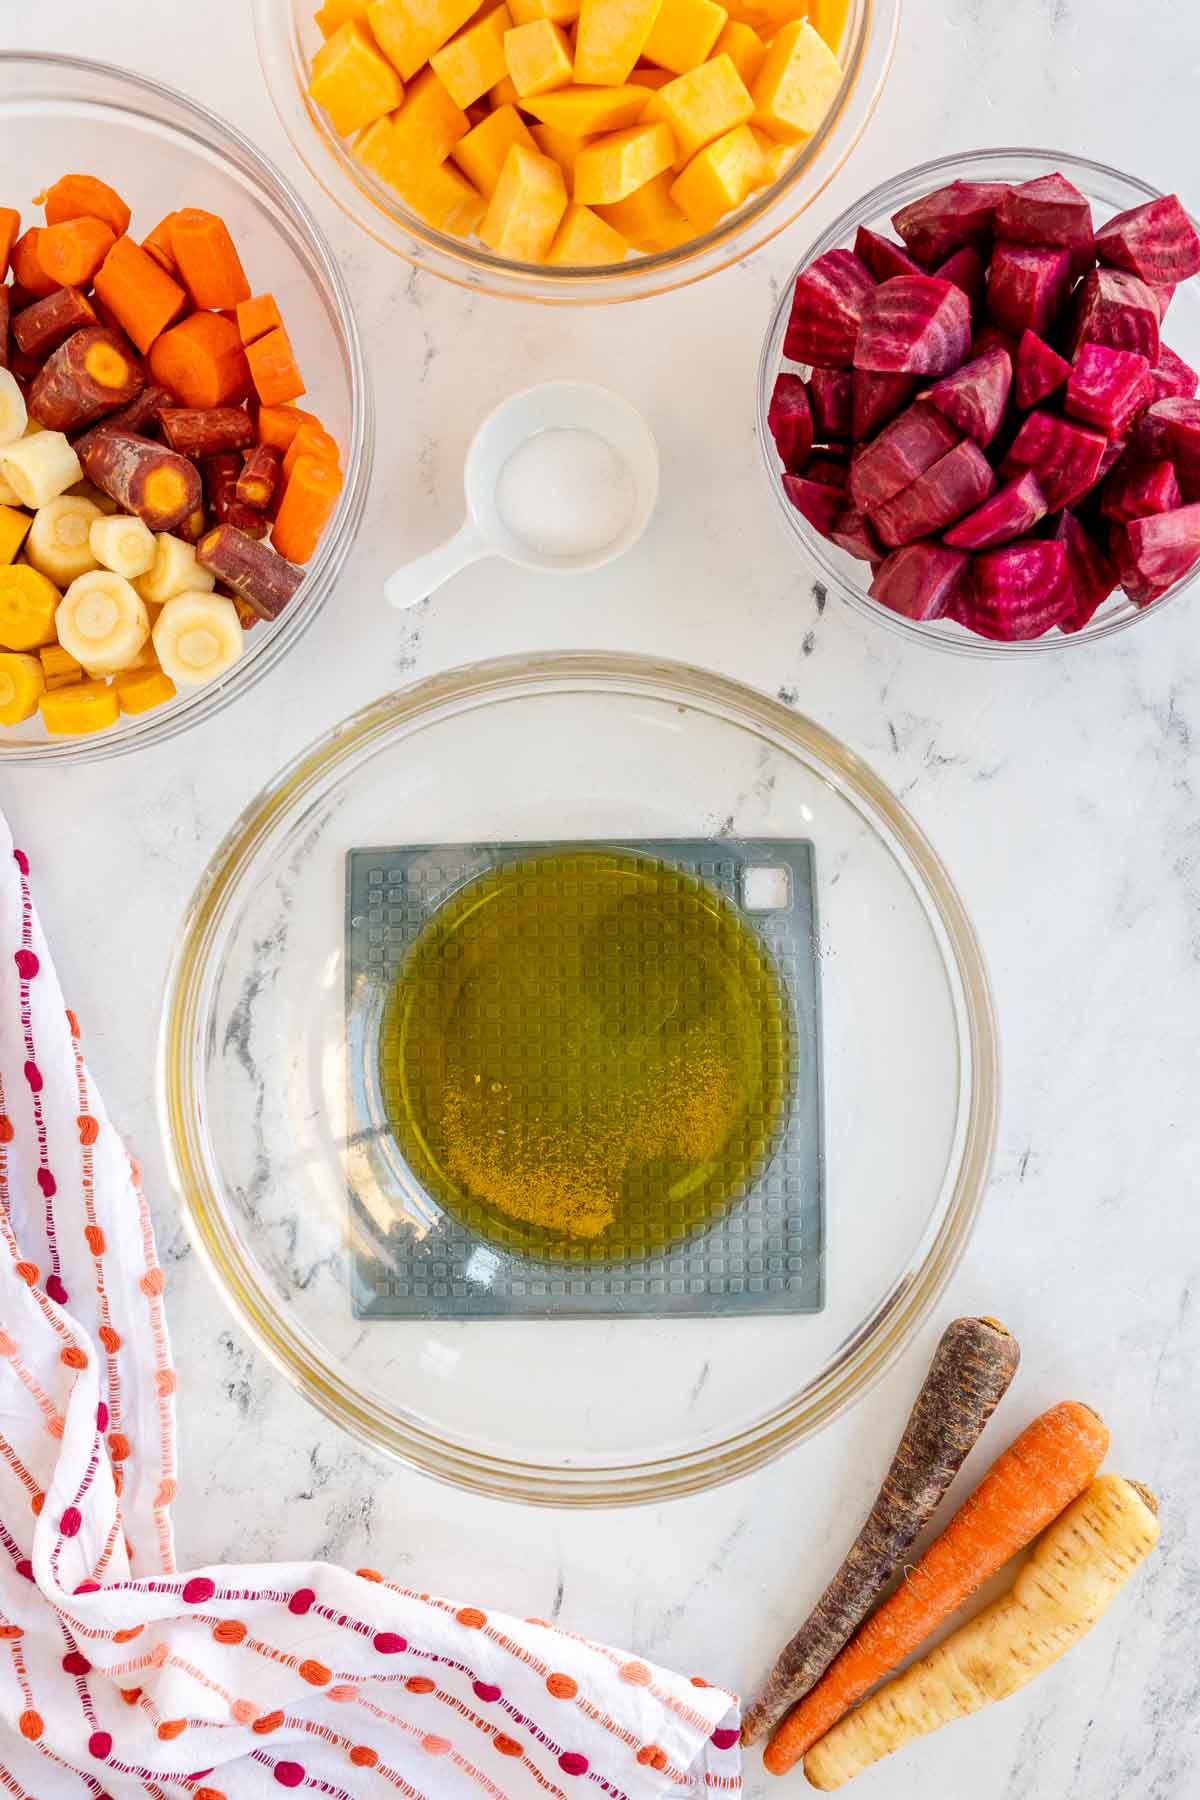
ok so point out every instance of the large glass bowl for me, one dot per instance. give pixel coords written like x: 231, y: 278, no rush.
x: 1109, y: 192
x: 161, y: 150
x: 287, y: 38
x: 254, y: 1066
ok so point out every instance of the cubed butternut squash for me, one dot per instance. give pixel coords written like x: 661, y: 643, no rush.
x: 650, y: 78
x: 437, y: 193
x: 538, y: 57
x: 333, y: 14
x: 613, y: 165
x: 429, y: 120
x: 559, y: 12
x: 610, y: 37
x: 744, y: 48
x: 719, y: 178
x: 561, y: 146
x: 480, y: 155
x: 584, y: 240
x: 648, y: 217
x: 473, y: 62
x: 776, y: 156
x: 409, y: 31
x: 352, y: 80
x: 527, y: 207
x: 504, y: 93
x: 796, y: 85
x: 829, y: 17
x: 701, y: 105
x: 684, y: 34
x: 583, y: 111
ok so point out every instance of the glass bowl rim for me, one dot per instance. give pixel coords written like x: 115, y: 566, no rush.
x: 221, y: 137
x: 873, y: 1345
x: 797, y: 527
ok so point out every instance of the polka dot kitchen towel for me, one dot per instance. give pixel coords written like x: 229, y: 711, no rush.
x: 122, y: 1675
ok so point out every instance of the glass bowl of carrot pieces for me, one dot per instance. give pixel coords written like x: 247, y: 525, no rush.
x: 185, y: 419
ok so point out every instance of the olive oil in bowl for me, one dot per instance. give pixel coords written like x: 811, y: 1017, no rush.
x: 586, y: 1055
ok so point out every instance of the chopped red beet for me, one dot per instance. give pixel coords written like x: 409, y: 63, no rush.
x: 1049, y: 210
x: 1027, y: 285
x: 1156, y: 241
x: 1064, y: 456
x: 1020, y: 591
x: 950, y: 217
x: 1140, y: 591
x: 920, y: 581
x: 955, y: 485
x: 829, y: 468
x: 790, y: 420
x: 1093, y: 577
x: 1010, y: 513
x: 854, y: 535
x: 1135, y: 489
x: 1173, y: 377
x: 882, y: 256
x: 875, y: 398
x: 975, y: 396
x: 967, y: 270
x: 990, y: 337
x: 1163, y: 297
x: 827, y: 305
x: 1040, y: 370
x: 915, y: 325
x: 1118, y: 309
x: 829, y: 396
x: 904, y: 449
x: 1165, y: 545
x: 1108, y: 388
x: 821, y: 506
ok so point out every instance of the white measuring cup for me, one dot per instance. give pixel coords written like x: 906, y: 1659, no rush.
x: 563, y: 405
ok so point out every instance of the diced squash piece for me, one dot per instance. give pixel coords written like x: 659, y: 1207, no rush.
x: 796, y: 85
x: 333, y: 14
x: 562, y: 147
x: 559, y: 12
x: 609, y: 39
x: 829, y: 18
x: 776, y: 156
x: 504, y: 93
x: 22, y: 685
x: 481, y: 154
x: 744, y: 48
x: 538, y: 57
x: 440, y: 195
x: 409, y: 31
x: 429, y: 121
x: 84, y: 706
x: 684, y: 34
x: 352, y: 80
x: 612, y: 166
x: 14, y: 529
x: 775, y: 13
x: 583, y: 111
x: 473, y: 62
x: 701, y: 105
x: 585, y: 239
x: 527, y: 207
x: 649, y: 217
x: 719, y: 177
x: 650, y: 78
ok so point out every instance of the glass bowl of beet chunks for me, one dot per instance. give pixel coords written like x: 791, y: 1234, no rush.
x: 978, y: 401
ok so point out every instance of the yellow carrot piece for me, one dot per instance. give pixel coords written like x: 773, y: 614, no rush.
x: 87, y: 706
x: 22, y: 685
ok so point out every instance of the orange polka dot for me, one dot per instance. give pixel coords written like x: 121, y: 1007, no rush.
x: 369, y: 1574
x: 699, y: 1681
x: 166, y: 1492
x: 28, y: 1272
x: 36, y: 1504
x: 130, y: 1696
x: 229, y: 1631
x: 118, y: 1483
x: 363, y: 1757
x: 89, y: 1128
x: 95, y: 1239
x: 159, y: 1656
x: 243, y: 1711
x: 345, y: 1690
x: 435, y: 1746
x: 207, y: 1793
x: 419, y: 1684
x: 471, y: 1617
x: 127, y: 1636
x: 562, y: 1687
x: 73, y: 1023
x: 10, y: 1631
x: 55, y: 1427
x: 31, y: 1725
x: 118, y: 1446
x: 8, y: 1344
x: 650, y: 1756
x: 110, y: 1339
x: 505, y: 1745
x: 164, y: 1381
x: 315, y: 1673
x: 172, y: 1728
x: 636, y: 1674
x: 153, y: 1282
x: 268, y: 1722
x: 74, y: 1357
x: 6, y: 1129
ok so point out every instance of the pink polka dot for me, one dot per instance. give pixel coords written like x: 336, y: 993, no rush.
x: 725, y: 1737
x: 390, y: 1643
x: 636, y: 1674
x: 289, y: 1774
x: 100, y: 1744
x: 243, y: 1712
x: 435, y: 1746
x: 87, y: 1587
x: 159, y: 1655
x: 22, y: 861
x: 70, y: 1522
x: 56, y: 1291
x: 33, y: 1076
x: 198, y: 1590
x: 571, y: 1762
x: 75, y: 1663
x: 487, y: 1691
x: 101, y: 1417
x: 47, y: 1183
x: 27, y: 964
x: 25, y: 1568
x: 344, y: 1690
x: 301, y: 1600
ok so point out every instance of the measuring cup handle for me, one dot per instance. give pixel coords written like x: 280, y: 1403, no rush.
x: 414, y: 581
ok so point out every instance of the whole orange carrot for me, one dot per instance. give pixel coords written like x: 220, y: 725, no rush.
x: 1026, y: 1488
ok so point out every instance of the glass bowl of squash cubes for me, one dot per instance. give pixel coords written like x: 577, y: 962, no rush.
x: 576, y: 151
x: 185, y: 420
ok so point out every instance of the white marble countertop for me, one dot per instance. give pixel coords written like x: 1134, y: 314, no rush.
x: 1064, y: 795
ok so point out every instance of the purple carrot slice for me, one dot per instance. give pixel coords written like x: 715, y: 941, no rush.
x: 829, y: 396
x: 854, y: 535
x: 914, y: 325
x: 829, y: 468
x: 1049, y: 210
x: 875, y: 398
x: 790, y: 419
x: 1040, y: 370
x: 904, y: 449
x: 956, y: 484
x: 948, y: 218
x: 1118, y: 309
x: 822, y: 506
x: 1027, y: 286
x: 1156, y: 241
x: 1064, y: 456
x: 827, y: 305
x: 1020, y: 591
x: 883, y: 257
x: 975, y: 396
x: 1173, y: 378
x: 967, y: 270
x: 1093, y: 577
x: 1165, y: 546
x: 1108, y: 388
x: 1012, y: 511
x: 920, y: 581
x: 1136, y: 489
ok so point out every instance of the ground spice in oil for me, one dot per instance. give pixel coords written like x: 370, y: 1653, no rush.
x: 587, y: 1055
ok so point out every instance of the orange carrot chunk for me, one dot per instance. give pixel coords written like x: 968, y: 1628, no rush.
x: 157, y: 243
x: 85, y: 197
x: 308, y: 499
x: 273, y: 368
x: 310, y: 440
x: 202, y: 361
x: 209, y: 266
x: 257, y: 316
x: 278, y: 425
x: 70, y: 253
x: 141, y: 297
x: 26, y: 267
x: 10, y: 225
